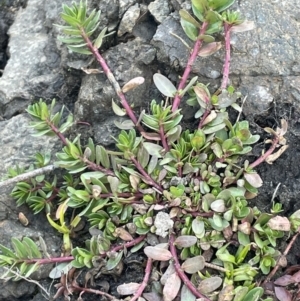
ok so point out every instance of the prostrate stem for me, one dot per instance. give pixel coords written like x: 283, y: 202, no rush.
x: 226, y: 67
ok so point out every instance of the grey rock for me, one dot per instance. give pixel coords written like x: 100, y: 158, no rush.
x: 159, y: 9
x: 33, y: 72
x: 129, y: 20
x: 18, y: 146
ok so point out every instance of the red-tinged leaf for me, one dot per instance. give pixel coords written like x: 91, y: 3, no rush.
x: 133, y: 83
x: 158, y: 253
x: 128, y: 288
x: 123, y: 234
x: 296, y: 277
x: 253, y: 179
x: 151, y: 136
x: 285, y: 280
x: 171, y: 287
x: 185, y: 241
x: 282, y: 294
x: 210, y: 49
x: 153, y: 296
x: 209, y: 285
x: 280, y: 223
x: 170, y: 270
x: 194, y: 264
x: 245, y: 26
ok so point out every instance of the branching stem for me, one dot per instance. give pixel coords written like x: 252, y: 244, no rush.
x: 187, y: 71
x: 263, y: 157
x: 226, y: 67
x: 145, y: 281
x: 112, y: 80
x: 145, y: 174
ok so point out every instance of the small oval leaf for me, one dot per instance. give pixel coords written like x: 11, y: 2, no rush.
x: 158, y: 253
x: 164, y: 85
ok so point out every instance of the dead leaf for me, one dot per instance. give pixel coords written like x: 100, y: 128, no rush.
x: 282, y: 294
x: 123, y: 234
x: 172, y: 287
x: 210, y: 49
x: 245, y: 26
x: 270, y: 159
x: 284, y: 280
x: 128, y: 288
x: 158, y: 253
x: 296, y: 277
x: 133, y: 83
x: 280, y: 223
x: 91, y: 71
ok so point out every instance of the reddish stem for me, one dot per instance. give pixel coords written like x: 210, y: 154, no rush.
x: 92, y: 291
x: 163, y: 137
x: 56, y: 131
x: 145, y: 174
x: 226, y: 67
x: 70, y: 258
x: 266, y: 154
x: 97, y: 167
x: 188, y: 67
x: 145, y: 281
x: 112, y: 80
x: 181, y: 274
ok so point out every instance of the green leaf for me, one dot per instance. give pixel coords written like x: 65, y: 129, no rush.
x: 117, y: 110
x: 114, y: 261
x: 153, y: 149
x: 190, y: 29
x: 187, y: 17
x: 164, y: 85
x: 82, y: 50
x: 220, y: 5
x: 254, y: 294
x: 199, y: 8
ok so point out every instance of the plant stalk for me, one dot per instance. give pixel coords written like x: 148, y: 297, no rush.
x: 112, y: 80
x: 145, y: 174
x: 226, y: 67
x: 139, y: 292
x: 263, y: 157
x: 181, y: 273
x: 188, y: 68
x: 163, y: 138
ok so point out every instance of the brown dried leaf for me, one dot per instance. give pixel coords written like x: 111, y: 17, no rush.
x: 210, y: 49
x: 23, y: 219
x: 227, y: 293
x: 128, y: 288
x: 280, y: 223
x: 270, y: 159
x: 91, y: 71
x: 193, y: 265
x: 245, y: 26
x: 209, y: 285
x: 185, y: 241
x: 157, y: 253
x: 282, y: 294
x: 123, y: 234
x: 133, y: 83
x: 285, y: 280
x: 171, y: 287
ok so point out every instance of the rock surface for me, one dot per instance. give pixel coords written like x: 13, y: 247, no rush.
x: 265, y: 66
